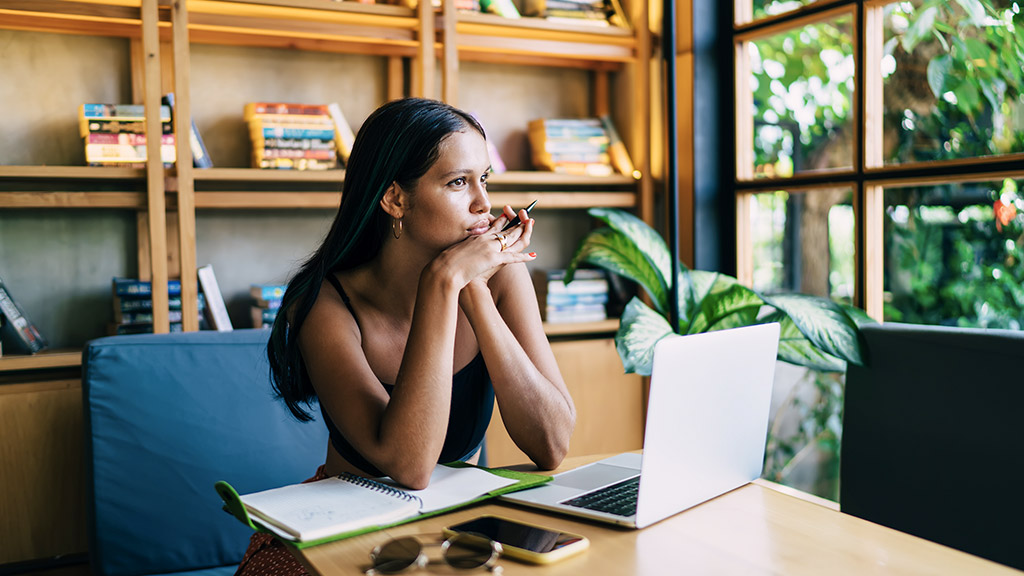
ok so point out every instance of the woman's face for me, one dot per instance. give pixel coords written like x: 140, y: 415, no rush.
x: 450, y: 201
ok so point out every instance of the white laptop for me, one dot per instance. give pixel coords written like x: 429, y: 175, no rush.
x: 707, y: 422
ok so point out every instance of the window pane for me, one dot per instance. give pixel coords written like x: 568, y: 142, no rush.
x: 762, y: 8
x: 802, y: 83
x: 952, y: 80
x: 804, y: 242
x: 954, y: 256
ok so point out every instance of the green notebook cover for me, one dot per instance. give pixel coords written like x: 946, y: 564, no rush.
x: 233, y: 503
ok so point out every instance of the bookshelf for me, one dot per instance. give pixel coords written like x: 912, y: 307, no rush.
x: 509, y: 71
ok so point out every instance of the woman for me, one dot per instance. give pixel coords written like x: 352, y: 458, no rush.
x: 415, y: 314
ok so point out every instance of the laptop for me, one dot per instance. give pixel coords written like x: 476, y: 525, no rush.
x: 707, y: 423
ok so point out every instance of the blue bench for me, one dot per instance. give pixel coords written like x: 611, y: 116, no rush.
x: 167, y: 416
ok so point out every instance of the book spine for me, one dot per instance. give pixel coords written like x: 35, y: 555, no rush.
x: 266, y: 153
x: 294, y: 164
x: 118, y: 126
x: 297, y: 144
x: 124, y: 111
x: 343, y: 135
x: 216, y: 309
x: 129, y: 139
x: 19, y: 324
x: 254, y: 109
x: 133, y: 287
x: 268, y: 291
x: 260, y: 133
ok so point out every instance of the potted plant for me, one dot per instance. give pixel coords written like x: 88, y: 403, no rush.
x: 815, y: 332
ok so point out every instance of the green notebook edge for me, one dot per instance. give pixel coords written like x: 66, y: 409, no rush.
x: 233, y: 503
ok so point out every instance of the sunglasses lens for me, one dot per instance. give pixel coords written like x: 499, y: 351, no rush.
x: 467, y: 552
x: 396, y: 555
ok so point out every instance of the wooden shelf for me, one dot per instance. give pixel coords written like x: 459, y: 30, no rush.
x: 350, y: 27
x: 536, y: 41
x: 609, y: 326
x: 63, y: 173
x: 119, y: 18
x: 237, y: 199
x: 72, y: 187
x: 46, y: 359
x: 256, y: 175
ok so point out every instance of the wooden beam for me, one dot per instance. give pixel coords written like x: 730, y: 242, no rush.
x: 186, y: 245
x: 157, y: 223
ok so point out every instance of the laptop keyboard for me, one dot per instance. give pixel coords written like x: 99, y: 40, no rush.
x: 618, y: 499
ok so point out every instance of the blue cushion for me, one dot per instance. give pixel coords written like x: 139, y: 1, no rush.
x: 167, y: 416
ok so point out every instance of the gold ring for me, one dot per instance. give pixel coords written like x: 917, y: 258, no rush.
x: 502, y: 240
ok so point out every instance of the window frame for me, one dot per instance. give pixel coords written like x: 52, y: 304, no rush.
x: 870, y: 175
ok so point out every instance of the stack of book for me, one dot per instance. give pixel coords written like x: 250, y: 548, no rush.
x: 570, y: 145
x: 584, y: 299
x: 266, y: 303
x: 15, y: 327
x: 133, y: 306
x: 594, y: 12
x: 291, y: 136
x: 115, y: 134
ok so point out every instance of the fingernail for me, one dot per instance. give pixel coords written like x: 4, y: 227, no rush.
x: 532, y: 254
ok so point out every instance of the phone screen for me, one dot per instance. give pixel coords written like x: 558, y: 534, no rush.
x: 518, y: 535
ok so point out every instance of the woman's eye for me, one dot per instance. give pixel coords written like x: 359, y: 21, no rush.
x: 458, y: 182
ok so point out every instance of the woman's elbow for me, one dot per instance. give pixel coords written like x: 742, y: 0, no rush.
x: 413, y: 477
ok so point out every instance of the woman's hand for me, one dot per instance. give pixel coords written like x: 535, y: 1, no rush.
x: 477, y: 258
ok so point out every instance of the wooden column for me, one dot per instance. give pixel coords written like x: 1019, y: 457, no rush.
x: 154, y: 165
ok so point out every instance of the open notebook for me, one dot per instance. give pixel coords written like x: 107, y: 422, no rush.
x: 347, y: 505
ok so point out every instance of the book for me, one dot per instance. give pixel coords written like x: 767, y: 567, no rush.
x: 312, y: 513
x: 216, y: 311
x: 266, y: 292
x: 134, y: 287
x: 200, y: 156
x: 263, y: 317
x: 16, y: 324
x: 617, y: 149
x: 344, y: 138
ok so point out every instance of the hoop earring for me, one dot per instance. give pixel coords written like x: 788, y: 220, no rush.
x: 396, y: 231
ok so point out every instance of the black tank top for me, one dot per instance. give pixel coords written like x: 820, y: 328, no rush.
x: 471, y: 407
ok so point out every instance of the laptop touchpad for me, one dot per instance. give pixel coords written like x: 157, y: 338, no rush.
x: 595, y: 476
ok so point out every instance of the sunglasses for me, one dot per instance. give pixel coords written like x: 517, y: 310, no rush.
x: 462, y: 551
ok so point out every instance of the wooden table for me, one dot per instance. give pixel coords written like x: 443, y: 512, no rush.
x: 761, y: 528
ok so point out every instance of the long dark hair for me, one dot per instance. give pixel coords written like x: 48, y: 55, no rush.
x: 398, y: 143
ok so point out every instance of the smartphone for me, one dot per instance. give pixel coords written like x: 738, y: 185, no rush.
x: 516, y: 220
x: 526, y: 542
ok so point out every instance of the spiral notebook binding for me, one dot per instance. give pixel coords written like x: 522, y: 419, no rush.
x: 380, y: 487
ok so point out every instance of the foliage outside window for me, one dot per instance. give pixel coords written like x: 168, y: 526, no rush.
x: 955, y: 255
x: 948, y: 90
x: 953, y: 80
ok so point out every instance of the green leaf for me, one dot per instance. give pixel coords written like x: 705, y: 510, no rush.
x: 615, y: 252
x: 646, y: 239
x: 718, y: 305
x: 823, y: 322
x: 975, y: 11
x: 938, y: 74
x: 639, y: 330
x: 796, y: 349
x: 921, y: 27
x: 859, y: 317
x: 968, y: 100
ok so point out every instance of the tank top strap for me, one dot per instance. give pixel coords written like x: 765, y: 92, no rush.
x: 344, y: 297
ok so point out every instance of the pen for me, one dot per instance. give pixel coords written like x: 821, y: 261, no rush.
x: 515, y: 220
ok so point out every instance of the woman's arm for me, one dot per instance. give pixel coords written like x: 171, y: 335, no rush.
x: 535, y: 405
x: 402, y: 435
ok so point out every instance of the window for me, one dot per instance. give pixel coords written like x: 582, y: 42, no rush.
x: 879, y: 154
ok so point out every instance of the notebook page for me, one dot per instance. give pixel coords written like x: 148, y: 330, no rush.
x: 451, y: 486
x: 331, y: 506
